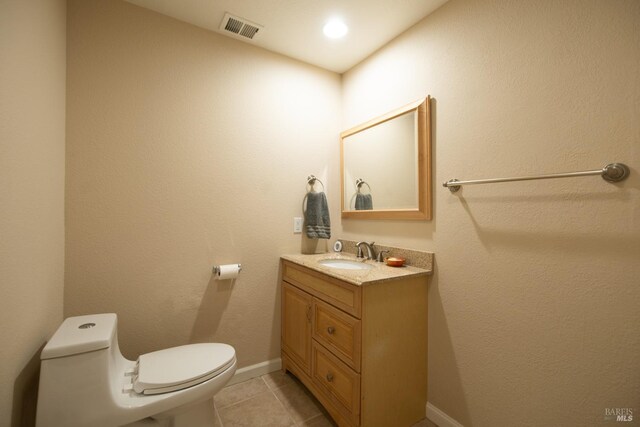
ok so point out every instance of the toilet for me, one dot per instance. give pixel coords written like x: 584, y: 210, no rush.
x: 85, y: 380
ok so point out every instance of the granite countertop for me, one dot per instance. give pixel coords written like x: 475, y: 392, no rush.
x: 379, y: 273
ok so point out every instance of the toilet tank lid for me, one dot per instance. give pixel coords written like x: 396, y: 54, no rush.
x: 81, y: 334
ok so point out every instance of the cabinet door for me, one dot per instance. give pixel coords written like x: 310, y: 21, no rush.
x: 296, y: 325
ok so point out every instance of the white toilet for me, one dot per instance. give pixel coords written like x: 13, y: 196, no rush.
x: 85, y: 380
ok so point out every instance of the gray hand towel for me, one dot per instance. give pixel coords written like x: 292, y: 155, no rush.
x: 364, y: 202
x: 317, y: 216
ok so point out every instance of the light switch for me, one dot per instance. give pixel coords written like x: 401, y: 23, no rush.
x: 297, y: 224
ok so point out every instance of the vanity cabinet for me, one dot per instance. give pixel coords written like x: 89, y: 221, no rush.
x: 361, y: 349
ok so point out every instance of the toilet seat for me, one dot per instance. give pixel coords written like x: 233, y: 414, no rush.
x: 177, y: 368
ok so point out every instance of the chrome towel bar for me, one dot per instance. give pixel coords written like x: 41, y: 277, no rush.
x: 613, y: 172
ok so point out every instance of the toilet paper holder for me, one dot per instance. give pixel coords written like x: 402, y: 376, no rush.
x: 216, y: 269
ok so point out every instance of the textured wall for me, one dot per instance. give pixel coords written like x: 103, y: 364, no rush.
x: 534, y: 306
x: 32, y: 122
x: 186, y: 148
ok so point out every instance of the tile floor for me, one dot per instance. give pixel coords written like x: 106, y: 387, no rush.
x: 276, y: 400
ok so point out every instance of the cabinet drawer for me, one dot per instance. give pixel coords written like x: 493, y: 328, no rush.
x: 337, y: 380
x: 343, y: 295
x: 338, y: 331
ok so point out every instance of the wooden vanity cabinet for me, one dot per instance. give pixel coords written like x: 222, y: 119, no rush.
x: 361, y: 350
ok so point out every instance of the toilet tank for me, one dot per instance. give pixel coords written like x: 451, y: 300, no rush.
x: 82, y: 334
x: 81, y: 373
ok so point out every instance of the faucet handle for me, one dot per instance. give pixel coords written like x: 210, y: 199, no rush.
x: 359, y: 254
x: 381, y: 256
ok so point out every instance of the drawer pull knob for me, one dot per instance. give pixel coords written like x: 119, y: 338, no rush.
x: 329, y: 377
x: 331, y: 330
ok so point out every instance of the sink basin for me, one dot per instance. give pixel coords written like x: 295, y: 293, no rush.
x: 345, y: 264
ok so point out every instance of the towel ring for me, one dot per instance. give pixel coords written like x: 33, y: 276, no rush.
x: 311, y: 180
x: 360, y: 182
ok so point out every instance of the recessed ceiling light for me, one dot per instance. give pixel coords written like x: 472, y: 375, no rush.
x: 335, y: 29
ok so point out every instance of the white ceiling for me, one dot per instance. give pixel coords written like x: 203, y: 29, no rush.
x: 294, y: 27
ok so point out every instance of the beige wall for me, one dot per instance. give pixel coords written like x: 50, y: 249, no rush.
x: 32, y: 135
x: 185, y: 149
x: 534, y: 305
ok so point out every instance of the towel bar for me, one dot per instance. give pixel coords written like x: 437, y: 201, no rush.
x: 613, y: 172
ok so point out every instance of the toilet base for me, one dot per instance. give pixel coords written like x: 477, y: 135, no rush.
x: 201, y: 414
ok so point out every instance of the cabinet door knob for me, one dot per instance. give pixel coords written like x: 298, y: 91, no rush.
x: 331, y: 330
x: 329, y: 377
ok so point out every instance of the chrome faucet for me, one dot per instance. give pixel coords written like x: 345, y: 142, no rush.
x: 371, y: 254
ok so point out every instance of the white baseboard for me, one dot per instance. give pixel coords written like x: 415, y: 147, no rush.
x: 440, y: 418
x: 253, y: 371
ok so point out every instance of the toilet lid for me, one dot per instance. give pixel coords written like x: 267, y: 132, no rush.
x: 177, y: 368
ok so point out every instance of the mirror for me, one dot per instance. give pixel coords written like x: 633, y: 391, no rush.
x: 386, y: 165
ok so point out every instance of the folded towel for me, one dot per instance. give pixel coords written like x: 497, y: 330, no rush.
x: 364, y: 202
x: 317, y: 216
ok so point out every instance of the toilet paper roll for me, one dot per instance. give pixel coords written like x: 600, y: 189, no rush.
x: 227, y: 271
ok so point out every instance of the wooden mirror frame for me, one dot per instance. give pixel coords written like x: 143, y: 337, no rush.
x: 424, y: 209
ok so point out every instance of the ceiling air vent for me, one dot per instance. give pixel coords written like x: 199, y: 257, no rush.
x: 240, y: 27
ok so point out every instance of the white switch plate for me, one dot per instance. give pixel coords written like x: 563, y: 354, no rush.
x: 297, y: 224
